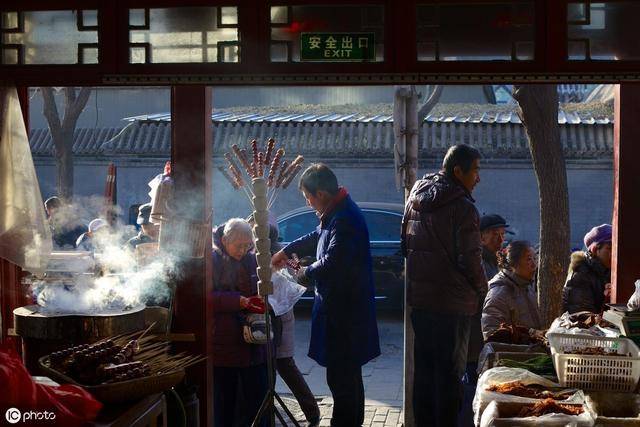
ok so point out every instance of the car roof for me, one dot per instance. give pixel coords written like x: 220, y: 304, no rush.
x: 396, y: 208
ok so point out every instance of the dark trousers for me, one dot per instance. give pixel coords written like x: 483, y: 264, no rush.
x: 440, y: 355
x: 345, y: 382
x: 249, y: 384
x: 469, y: 383
x: 293, y: 378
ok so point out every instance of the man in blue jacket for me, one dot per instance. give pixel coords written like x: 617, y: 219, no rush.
x: 344, y: 333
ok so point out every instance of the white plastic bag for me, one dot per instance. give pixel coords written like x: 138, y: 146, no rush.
x: 491, y: 418
x: 562, y: 325
x: 286, y: 293
x: 501, y: 375
x: 634, y: 301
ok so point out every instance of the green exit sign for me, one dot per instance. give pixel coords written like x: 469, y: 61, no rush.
x: 337, y: 47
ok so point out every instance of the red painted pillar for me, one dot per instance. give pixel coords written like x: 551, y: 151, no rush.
x: 191, y: 156
x: 626, y: 203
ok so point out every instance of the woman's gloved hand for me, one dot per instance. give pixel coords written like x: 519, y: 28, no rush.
x: 255, y: 305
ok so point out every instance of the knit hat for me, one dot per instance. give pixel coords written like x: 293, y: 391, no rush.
x: 597, y: 235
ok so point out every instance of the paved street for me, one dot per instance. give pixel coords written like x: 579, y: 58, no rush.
x: 382, y: 377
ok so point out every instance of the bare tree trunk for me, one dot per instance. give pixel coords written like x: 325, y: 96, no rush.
x: 407, y: 131
x: 539, y: 114
x: 62, y: 132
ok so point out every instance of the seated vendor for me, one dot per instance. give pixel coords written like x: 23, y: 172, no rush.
x: 148, y: 231
x: 589, y: 275
x: 512, y: 296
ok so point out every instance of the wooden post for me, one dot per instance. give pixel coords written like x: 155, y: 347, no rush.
x: 191, y: 155
x: 625, y: 269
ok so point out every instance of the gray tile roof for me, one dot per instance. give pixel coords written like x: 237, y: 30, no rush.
x: 496, y: 134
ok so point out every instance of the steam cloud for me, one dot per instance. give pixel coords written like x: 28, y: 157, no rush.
x: 122, y: 285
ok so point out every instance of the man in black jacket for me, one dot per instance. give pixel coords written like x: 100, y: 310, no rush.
x: 441, y: 241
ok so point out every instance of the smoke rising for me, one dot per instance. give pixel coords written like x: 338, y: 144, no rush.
x: 114, y: 281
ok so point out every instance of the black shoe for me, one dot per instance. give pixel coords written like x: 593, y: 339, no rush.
x: 313, y: 422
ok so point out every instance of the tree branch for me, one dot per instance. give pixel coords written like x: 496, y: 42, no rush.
x: 50, y: 111
x: 433, y: 99
x: 74, y: 106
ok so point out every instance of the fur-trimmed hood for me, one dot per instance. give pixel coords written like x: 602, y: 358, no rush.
x: 582, y: 261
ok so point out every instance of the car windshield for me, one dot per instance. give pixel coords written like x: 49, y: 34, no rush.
x: 383, y: 226
x: 297, y: 226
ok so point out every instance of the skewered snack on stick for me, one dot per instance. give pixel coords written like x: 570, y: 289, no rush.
x: 291, y: 176
x: 260, y: 164
x: 254, y: 150
x: 241, y: 154
x: 232, y: 163
x: 271, y: 143
x: 228, y: 177
x: 127, y: 352
x: 108, y: 372
x: 281, y: 175
x: 274, y: 167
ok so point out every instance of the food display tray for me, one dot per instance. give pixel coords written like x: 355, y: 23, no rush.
x: 595, y: 372
x: 123, y: 391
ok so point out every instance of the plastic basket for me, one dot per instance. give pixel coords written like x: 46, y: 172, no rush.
x: 591, y: 372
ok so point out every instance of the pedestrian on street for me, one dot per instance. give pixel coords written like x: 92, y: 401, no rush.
x: 344, y: 332
x: 441, y: 241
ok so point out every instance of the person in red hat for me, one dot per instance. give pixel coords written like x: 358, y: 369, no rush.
x: 588, y: 281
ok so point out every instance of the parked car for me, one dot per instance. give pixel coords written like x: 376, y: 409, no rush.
x: 383, y: 221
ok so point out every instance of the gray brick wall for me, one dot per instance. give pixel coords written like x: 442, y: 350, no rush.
x: 507, y: 187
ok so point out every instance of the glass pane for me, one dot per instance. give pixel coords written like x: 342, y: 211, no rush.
x: 89, y: 55
x: 184, y: 35
x: 9, y: 20
x: 279, y: 52
x: 229, y: 15
x: 137, y: 17
x: 603, y: 31
x: 49, y: 37
x: 290, y: 23
x: 501, y: 31
x: 297, y: 226
x: 90, y: 18
x: 279, y: 15
x: 382, y: 226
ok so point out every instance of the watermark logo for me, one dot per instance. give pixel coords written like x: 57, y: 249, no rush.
x: 13, y: 415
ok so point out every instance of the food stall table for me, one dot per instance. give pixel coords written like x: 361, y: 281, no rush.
x: 150, y: 411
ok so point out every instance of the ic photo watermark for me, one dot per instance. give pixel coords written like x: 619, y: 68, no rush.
x: 15, y: 416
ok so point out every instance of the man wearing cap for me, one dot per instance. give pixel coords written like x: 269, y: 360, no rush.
x: 589, y: 275
x: 148, y: 231
x: 492, y: 230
